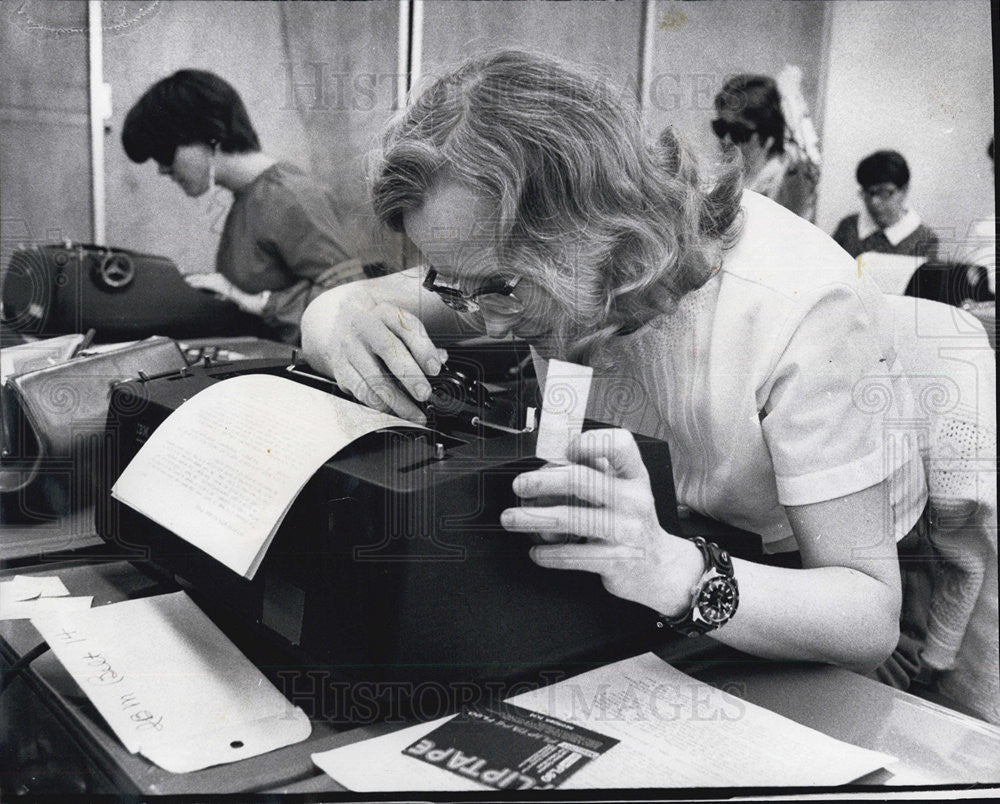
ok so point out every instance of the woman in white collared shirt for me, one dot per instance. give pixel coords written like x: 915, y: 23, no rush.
x: 885, y: 224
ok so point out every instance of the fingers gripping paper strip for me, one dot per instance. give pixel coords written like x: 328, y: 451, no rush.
x: 564, y: 406
x: 170, y: 685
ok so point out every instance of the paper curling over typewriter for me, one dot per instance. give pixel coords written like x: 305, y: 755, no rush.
x: 391, y: 564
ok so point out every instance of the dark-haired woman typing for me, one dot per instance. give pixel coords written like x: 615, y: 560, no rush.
x: 282, y: 243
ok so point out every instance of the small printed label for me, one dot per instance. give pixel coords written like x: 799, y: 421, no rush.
x: 510, y: 748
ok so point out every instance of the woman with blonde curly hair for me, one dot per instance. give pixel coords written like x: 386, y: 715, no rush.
x: 713, y: 318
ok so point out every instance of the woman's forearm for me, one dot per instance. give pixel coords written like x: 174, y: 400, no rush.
x: 843, y: 608
x: 829, y: 614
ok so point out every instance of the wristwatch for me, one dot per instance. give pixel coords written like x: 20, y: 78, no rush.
x: 714, y: 597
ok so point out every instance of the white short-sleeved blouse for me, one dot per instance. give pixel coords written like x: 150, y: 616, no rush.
x: 775, y: 384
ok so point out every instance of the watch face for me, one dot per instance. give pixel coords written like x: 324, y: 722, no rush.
x: 718, y: 600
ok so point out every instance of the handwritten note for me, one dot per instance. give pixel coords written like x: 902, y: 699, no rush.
x: 673, y: 731
x: 564, y: 405
x: 171, y: 685
x: 225, y: 467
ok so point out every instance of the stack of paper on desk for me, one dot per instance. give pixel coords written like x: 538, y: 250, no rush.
x: 224, y: 468
x: 671, y: 731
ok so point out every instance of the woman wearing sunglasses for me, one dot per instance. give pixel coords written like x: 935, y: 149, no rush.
x: 712, y: 317
x: 750, y: 118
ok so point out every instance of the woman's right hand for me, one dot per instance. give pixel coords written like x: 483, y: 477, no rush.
x: 377, y: 351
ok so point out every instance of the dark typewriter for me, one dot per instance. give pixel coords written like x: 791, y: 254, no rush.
x: 63, y: 288
x: 391, y: 566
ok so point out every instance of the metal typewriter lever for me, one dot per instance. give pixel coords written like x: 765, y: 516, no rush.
x: 529, y: 423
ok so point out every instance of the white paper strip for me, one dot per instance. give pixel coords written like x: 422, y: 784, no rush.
x: 564, y: 406
x: 28, y: 587
x: 29, y: 609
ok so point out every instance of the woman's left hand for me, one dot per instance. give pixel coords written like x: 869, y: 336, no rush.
x: 610, y: 507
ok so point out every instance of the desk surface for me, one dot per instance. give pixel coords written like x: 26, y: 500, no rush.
x: 936, y: 746
x: 131, y: 773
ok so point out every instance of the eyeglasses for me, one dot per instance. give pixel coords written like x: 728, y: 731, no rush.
x: 497, y: 295
x: 738, y: 132
x: 883, y: 192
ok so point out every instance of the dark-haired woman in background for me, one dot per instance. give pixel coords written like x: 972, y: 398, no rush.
x: 282, y: 243
x: 750, y: 117
x: 885, y: 224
